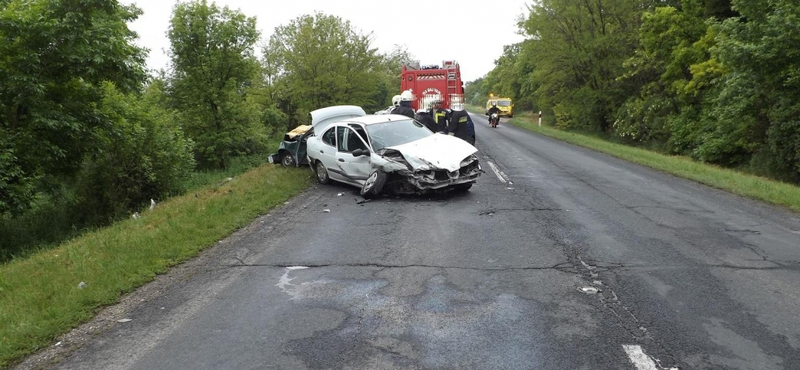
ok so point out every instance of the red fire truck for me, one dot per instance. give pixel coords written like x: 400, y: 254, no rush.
x: 431, y: 83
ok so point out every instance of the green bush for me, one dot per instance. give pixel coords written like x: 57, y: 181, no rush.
x: 143, y: 154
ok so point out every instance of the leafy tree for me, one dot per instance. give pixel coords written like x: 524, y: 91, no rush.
x: 669, y: 98
x: 322, y: 60
x: 579, y: 48
x: 474, y: 92
x: 759, y: 104
x: 143, y: 155
x: 55, y: 56
x: 212, y: 53
x: 392, y: 63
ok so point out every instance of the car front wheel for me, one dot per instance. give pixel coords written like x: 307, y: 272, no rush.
x: 287, y: 160
x: 374, y: 184
x: 322, y: 173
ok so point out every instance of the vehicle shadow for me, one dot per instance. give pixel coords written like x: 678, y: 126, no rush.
x: 432, y: 196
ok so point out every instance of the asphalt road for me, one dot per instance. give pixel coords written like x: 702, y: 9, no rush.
x: 563, y: 258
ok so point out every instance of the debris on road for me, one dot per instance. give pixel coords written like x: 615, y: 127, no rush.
x: 361, y: 200
x: 124, y: 320
x: 327, y: 211
x: 589, y: 290
x: 339, y: 195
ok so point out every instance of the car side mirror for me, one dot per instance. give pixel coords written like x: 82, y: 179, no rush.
x: 360, y: 152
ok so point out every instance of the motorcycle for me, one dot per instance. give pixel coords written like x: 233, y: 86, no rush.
x: 494, y: 120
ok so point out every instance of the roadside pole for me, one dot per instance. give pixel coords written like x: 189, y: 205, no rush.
x: 540, y: 118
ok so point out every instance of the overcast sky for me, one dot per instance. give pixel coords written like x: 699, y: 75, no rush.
x: 471, y: 32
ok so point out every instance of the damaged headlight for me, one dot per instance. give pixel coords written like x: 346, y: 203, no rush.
x: 470, y: 165
x: 396, y: 156
x: 467, y: 161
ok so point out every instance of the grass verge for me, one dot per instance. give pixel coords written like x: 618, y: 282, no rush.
x: 751, y: 186
x: 58, y: 218
x: 40, y: 297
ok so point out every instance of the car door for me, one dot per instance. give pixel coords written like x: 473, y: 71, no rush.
x: 325, y: 152
x: 354, y: 168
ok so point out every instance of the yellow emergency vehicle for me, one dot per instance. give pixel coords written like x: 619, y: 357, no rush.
x: 505, y: 105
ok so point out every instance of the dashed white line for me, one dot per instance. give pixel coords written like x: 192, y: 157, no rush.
x: 641, y: 360
x: 500, y: 175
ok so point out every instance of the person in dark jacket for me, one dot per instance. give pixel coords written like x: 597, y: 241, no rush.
x: 461, y: 125
x: 424, y: 117
x: 441, y: 116
x: 493, y: 109
x: 405, y: 105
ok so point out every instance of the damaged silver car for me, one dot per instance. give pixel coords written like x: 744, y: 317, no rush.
x: 391, y: 153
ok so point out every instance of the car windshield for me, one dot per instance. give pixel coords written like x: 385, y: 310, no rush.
x: 504, y: 103
x: 393, y: 133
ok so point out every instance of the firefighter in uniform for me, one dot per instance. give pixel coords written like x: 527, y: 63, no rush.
x: 405, y: 105
x: 424, y: 117
x: 461, y: 125
x: 441, y: 116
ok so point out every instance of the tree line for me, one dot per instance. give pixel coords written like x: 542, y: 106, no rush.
x: 89, y: 135
x: 717, y: 80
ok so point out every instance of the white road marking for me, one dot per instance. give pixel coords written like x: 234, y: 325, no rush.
x: 641, y: 360
x: 500, y: 175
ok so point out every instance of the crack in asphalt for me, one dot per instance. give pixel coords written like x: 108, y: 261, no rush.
x: 563, y: 267
x: 494, y: 211
x: 592, y: 268
x: 683, y: 211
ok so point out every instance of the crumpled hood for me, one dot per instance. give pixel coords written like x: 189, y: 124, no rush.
x: 436, y: 151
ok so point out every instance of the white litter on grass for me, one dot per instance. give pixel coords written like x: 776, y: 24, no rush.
x: 152, y: 204
x: 58, y: 344
x: 641, y: 360
x: 135, y: 215
x: 81, y: 285
x: 124, y: 320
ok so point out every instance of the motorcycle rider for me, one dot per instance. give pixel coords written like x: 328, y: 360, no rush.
x: 461, y: 125
x: 404, y: 107
x: 494, y: 109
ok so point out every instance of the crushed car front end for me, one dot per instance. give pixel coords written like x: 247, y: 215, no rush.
x: 405, y: 178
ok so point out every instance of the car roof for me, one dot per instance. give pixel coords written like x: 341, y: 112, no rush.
x: 373, y: 119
